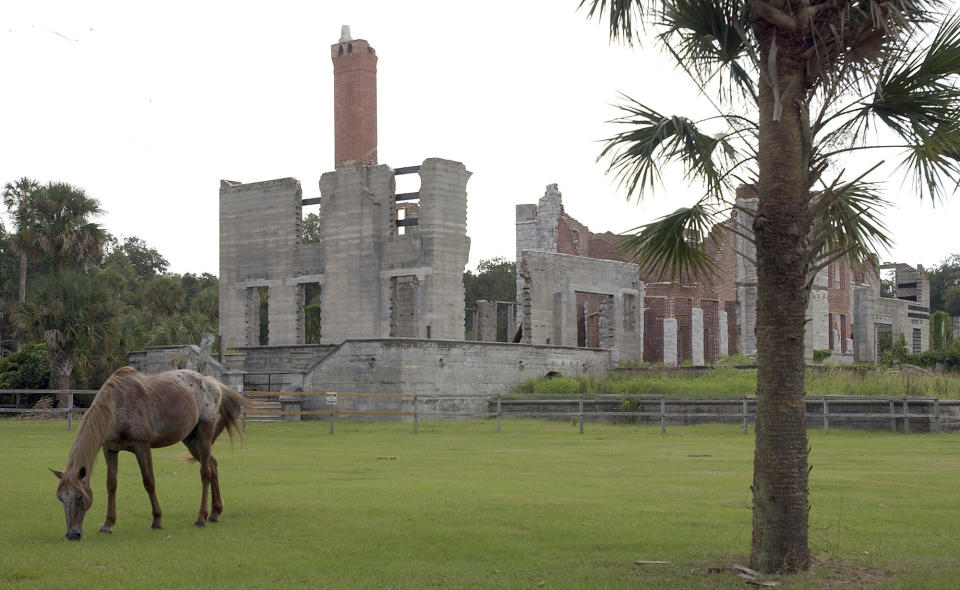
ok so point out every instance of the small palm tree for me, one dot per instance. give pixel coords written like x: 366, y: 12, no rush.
x: 72, y: 313
x: 18, y: 197
x: 815, y: 80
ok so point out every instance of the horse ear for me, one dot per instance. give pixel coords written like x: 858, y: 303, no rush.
x: 59, y: 474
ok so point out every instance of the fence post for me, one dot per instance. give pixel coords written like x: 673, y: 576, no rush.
x: 70, y: 411
x: 906, y: 413
x: 936, y: 414
x: 663, y: 415
x: 331, y: 421
x: 893, y: 419
x: 745, y: 414
x: 580, y: 398
x: 826, y: 421
x: 499, y: 411
x: 416, y: 425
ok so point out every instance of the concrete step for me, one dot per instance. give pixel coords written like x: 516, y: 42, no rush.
x: 264, y: 411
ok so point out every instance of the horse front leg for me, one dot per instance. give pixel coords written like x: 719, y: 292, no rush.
x: 110, y: 458
x: 145, y: 459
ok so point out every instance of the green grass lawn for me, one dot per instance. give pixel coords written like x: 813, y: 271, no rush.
x: 829, y: 380
x: 460, y: 506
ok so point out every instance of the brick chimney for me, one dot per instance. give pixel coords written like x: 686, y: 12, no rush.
x: 354, y: 100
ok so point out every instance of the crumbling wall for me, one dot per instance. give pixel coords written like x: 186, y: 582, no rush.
x: 550, y: 286
x: 259, y: 234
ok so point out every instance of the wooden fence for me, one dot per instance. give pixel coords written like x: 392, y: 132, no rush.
x: 586, y: 407
x: 583, y: 407
x: 70, y: 410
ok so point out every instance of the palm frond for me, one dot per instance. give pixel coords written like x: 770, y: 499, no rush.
x: 637, y: 154
x: 674, y: 244
x: 621, y: 16
x: 708, y: 39
x: 917, y: 97
x: 846, y: 223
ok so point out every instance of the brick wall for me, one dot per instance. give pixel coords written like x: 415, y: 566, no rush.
x: 354, y: 102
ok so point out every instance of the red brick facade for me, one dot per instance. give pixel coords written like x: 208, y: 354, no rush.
x: 666, y: 297
x: 354, y: 102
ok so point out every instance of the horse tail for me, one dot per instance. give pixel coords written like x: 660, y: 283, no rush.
x: 232, y: 405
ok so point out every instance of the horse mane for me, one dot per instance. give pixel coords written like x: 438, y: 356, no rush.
x: 96, y: 423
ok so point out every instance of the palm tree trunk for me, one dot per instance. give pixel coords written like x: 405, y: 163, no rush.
x: 64, y: 383
x: 23, y: 279
x: 780, y: 508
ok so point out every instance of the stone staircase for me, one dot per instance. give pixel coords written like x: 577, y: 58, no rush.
x: 264, y: 409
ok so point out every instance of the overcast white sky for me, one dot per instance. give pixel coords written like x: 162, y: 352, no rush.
x: 148, y: 105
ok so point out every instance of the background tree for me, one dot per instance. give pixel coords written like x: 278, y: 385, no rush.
x: 165, y: 295
x: 145, y: 261
x: 815, y: 80
x: 72, y: 313
x: 495, y: 280
x: 18, y: 197
x: 945, y: 286
x: 8, y: 289
x: 310, y: 228
x: 62, y: 225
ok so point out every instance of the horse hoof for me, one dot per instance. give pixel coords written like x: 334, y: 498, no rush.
x: 200, y: 524
x: 156, y: 526
x: 213, y: 518
x: 106, y: 530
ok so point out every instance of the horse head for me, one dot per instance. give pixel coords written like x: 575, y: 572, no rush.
x: 77, y: 497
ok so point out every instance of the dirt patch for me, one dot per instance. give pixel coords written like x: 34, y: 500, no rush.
x: 833, y: 573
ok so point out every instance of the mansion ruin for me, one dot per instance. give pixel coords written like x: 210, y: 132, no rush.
x: 386, y: 264
x: 376, y: 304
x: 692, y: 321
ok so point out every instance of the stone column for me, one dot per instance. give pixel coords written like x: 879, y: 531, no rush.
x: 724, y: 340
x: 696, y: 336
x: 486, y: 328
x: 670, y: 342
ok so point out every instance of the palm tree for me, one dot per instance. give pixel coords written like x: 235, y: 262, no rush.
x: 817, y: 79
x: 18, y: 198
x: 164, y: 295
x: 62, y: 225
x: 72, y: 313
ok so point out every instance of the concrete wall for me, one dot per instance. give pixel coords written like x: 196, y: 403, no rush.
x: 376, y: 280
x: 817, y: 333
x: 864, y: 324
x: 259, y: 233
x: 355, y: 226
x: 549, y: 286
x: 745, y: 273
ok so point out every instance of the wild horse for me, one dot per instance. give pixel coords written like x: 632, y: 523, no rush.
x: 135, y: 412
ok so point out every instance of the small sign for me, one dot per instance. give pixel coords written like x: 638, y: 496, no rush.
x: 331, y: 398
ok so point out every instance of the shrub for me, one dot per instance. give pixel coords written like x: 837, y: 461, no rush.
x: 821, y: 355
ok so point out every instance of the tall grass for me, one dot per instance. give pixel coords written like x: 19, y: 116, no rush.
x: 724, y: 380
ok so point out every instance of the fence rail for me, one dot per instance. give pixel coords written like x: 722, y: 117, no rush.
x: 743, y: 408
x: 70, y: 410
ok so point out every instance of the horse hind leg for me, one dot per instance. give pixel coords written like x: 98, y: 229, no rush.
x: 217, y: 501
x: 199, y: 445
x: 145, y: 459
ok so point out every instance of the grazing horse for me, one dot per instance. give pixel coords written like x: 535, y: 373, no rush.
x: 135, y: 412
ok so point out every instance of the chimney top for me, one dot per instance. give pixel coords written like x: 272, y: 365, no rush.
x: 345, y: 34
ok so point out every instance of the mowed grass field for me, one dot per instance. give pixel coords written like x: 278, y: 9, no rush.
x: 460, y: 506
